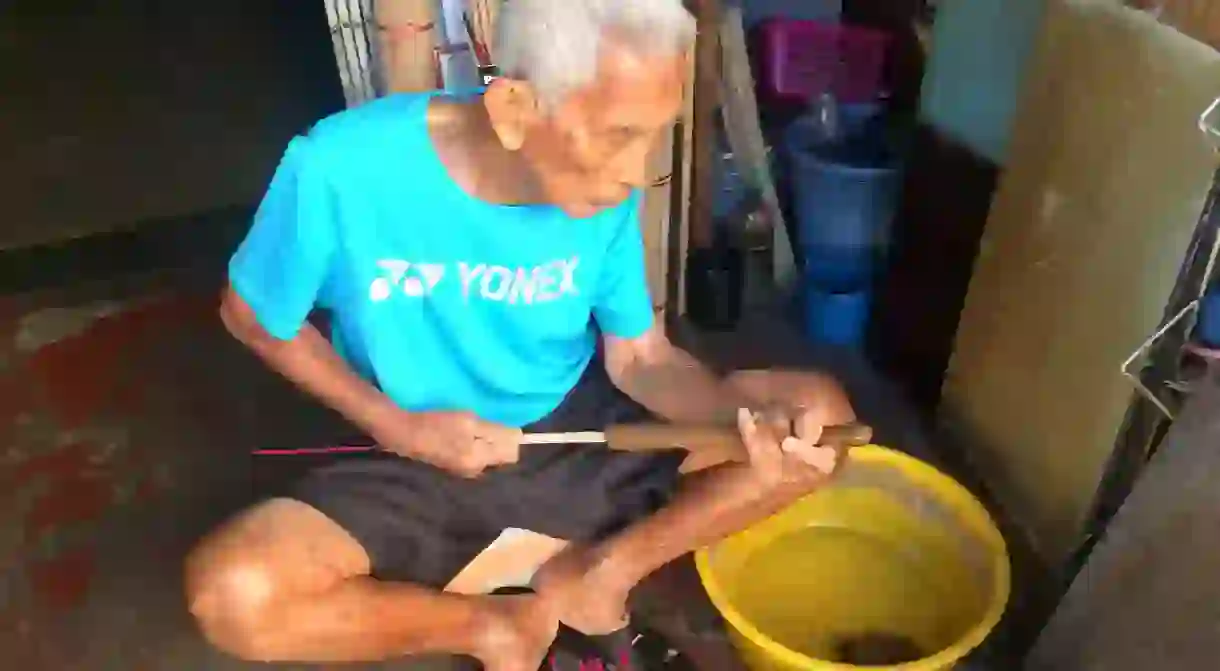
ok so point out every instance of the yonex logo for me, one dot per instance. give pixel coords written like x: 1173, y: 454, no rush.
x: 542, y: 283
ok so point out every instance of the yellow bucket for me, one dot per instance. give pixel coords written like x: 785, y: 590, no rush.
x: 894, y: 549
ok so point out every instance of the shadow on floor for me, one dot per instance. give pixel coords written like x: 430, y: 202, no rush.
x: 129, y: 416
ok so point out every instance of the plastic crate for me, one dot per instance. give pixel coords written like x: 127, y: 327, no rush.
x: 799, y: 59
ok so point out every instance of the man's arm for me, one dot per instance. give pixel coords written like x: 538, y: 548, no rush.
x: 275, y: 277
x: 309, y: 361
x: 669, y: 382
x: 640, y: 359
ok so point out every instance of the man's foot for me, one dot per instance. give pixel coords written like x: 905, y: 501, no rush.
x: 518, y: 633
x: 583, y: 593
x: 574, y: 651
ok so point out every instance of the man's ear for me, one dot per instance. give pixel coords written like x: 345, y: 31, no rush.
x: 512, y: 106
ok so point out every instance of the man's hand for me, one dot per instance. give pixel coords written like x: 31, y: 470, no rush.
x: 457, y: 442
x: 783, y: 446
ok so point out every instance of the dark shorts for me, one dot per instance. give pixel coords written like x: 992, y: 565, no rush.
x: 419, y: 524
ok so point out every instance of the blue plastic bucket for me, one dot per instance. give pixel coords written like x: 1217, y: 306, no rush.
x: 854, y: 119
x: 836, y: 318
x: 845, y: 197
x: 1208, y: 329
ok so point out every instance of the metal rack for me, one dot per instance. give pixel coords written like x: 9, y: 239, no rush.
x: 353, y: 36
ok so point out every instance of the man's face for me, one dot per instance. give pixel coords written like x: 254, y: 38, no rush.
x: 592, y: 149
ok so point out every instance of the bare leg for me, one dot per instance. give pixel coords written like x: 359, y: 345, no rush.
x: 282, y: 582
x: 590, y: 585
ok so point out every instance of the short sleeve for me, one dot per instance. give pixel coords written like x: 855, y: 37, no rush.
x: 623, y: 306
x: 281, y: 266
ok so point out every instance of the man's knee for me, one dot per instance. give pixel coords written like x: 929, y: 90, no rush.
x: 257, y: 566
x: 231, y: 596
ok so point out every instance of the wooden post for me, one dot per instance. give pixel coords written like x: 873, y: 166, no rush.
x: 703, y: 140
x: 407, y: 38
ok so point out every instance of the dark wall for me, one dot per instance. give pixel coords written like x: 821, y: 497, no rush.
x: 120, y: 112
x: 946, y: 200
x: 905, y: 66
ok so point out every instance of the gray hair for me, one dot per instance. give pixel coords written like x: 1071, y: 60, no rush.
x: 554, y: 44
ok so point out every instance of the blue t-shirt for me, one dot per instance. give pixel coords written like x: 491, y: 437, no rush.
x: 444, y: 301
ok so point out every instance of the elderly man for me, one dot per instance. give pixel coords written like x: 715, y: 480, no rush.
x: 473, y: 253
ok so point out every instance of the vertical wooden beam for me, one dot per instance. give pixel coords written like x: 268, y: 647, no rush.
x: 656, y: 219
x: 407, y: 34
x: 703, y: 133
x: 745, y: 137
x: 679, y: 205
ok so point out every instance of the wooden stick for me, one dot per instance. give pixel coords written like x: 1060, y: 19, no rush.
x: 649, y: 437
x: 712, y: 446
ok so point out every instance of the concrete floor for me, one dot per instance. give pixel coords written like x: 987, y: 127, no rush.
x: 1148, y: 596
x: 126, y: 419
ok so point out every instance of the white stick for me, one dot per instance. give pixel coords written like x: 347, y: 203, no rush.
x: 560, y: 438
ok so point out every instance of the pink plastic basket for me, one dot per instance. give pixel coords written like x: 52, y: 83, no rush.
x: 799, y: 59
